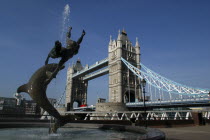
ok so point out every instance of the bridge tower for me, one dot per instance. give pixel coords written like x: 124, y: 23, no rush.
x: 124, y: 86
x: 76, y: 88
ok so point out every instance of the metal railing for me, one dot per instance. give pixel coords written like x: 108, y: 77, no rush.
x: 140, y: 115
x: 180, y: 101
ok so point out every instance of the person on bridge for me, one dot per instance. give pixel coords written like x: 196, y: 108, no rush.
x: 72, y: 48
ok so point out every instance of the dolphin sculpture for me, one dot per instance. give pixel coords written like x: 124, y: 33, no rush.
x: 36, y: 88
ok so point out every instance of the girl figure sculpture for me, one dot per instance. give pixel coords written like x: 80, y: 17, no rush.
x: 72, y: 48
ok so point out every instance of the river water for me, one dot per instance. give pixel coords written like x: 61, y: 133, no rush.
x: 65, y: 134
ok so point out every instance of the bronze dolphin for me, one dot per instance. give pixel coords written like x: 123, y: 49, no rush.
x: 36, y: 88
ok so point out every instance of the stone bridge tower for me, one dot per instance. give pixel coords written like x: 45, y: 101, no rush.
x: 124, y: 86
x: 76, y: 88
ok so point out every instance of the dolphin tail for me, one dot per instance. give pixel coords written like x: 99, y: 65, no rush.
x: 61, y: 122
x: 22, y: 88
x: 67, y: 119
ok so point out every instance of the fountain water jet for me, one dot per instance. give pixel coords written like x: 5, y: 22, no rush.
x: 65, y: 22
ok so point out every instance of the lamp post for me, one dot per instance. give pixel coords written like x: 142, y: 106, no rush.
x: 143, y: 82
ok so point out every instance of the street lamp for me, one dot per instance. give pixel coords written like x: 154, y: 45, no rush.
x: 143, y: 82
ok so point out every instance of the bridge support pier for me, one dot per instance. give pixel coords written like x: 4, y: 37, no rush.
x: 198, y: 118
x: 76, y: 88
x: 110, y: 107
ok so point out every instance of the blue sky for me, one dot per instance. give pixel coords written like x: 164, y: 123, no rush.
x: 174, y: 37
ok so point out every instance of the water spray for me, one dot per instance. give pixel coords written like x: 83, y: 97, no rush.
x: 65, y: 23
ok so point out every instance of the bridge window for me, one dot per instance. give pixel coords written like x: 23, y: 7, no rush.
x: 115, y: 95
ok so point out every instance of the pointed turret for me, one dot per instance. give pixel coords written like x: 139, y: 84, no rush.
x: 137, y: 42
x: 78, y: 66
x: 78, y: 60
x: 124, y: 32
x: 137, y: 48
x: 110, y: 41
x: 119, y: 40
x: 119, y: 35
x: 110, y: 44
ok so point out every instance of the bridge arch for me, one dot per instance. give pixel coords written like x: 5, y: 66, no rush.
x: 129, y: 96
x: 77, y: 103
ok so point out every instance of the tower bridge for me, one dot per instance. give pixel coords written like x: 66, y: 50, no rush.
x: 125, y: 76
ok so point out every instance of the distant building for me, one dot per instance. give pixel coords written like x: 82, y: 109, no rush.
x: 31, y: 108
x: 9, y: 106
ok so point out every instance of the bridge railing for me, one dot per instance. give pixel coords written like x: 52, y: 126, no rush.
x: 103, y: 60
x: 180, y: 101
x: 98, y: 63
x: 140, y: 115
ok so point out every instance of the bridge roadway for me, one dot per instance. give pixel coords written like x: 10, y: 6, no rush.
x: 196, y: 102
x: 135, y: 106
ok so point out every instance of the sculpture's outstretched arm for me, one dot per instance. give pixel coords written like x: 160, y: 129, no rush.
x: 81, y: 38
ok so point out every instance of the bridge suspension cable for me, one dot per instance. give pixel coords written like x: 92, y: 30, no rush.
x: 163, y: 83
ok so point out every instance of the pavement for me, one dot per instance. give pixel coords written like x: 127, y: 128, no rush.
x: 187, y: 133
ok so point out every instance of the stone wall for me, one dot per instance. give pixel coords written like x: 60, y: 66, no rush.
x: 110, y: 107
